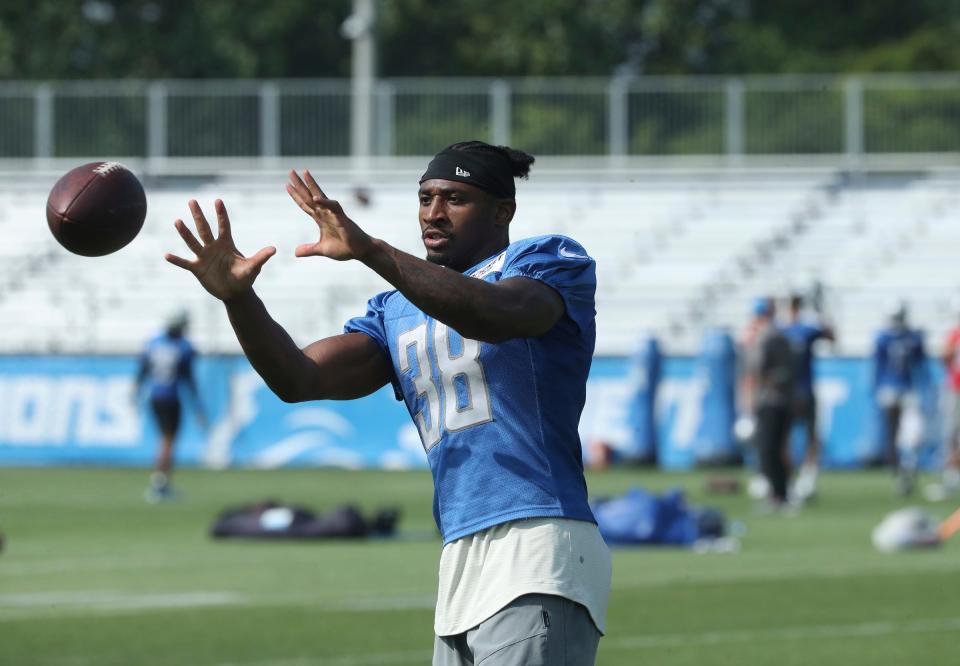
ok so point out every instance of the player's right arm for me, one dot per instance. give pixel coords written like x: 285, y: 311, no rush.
x: 143, y: 368
x: 827, y: 332
x: 340, y: 367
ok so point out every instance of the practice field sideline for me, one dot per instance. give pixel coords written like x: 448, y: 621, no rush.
x: 91, y: 574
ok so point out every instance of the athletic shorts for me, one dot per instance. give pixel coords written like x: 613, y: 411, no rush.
x: 532, y: 629
x: 167, y: 414
x: 805, y: 409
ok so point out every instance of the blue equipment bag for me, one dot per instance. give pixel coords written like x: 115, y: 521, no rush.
x: 639, y: 517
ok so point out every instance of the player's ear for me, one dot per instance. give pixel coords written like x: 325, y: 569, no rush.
x: 506, y: 208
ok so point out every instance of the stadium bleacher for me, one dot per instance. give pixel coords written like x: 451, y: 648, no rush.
x: 675, y: 255
x: 869, y: 244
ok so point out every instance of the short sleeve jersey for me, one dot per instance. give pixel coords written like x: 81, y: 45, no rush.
x: 770, y: 361
x: 498, y: 421
x: 168, y: 360
x: 802, y: 335
x: 897, y: 355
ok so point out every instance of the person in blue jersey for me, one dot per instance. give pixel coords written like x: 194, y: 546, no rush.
x: 166, y: 365
x: 488, y: 343
x: 803, y: 334
x: 899, y: 374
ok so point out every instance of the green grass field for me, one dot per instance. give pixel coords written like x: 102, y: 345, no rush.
x: 91, y: 574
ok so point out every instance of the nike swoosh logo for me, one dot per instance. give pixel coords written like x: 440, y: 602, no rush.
x: 564, y: 252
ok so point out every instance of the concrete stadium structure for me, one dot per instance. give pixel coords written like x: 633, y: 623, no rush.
x: 678, y: 252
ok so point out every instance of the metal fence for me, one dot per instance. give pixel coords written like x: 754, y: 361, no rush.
x: 654, y: 116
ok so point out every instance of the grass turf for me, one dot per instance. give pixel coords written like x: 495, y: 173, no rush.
x: 91, y: 574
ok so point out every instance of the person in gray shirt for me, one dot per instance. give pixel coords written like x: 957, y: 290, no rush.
x: 771, y: 367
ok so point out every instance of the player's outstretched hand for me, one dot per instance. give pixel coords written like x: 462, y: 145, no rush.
x: 219, y: 266
x: 340, y: 237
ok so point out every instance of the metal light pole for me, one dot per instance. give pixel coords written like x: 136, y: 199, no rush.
x: 360, y: 29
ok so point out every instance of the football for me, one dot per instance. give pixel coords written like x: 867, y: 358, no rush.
x: 96, y: 208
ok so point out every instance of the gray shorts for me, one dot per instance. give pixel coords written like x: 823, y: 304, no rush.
x: 532, y: 630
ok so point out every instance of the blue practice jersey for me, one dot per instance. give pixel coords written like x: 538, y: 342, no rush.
x: 166, y: 362
x: 897, y: 356
x: 498, y: 421
x: 802, y: 336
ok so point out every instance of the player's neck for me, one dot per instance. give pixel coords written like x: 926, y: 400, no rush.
x: 486, y: 251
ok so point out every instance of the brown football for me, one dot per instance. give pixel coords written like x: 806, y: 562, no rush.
x: 96, y: 208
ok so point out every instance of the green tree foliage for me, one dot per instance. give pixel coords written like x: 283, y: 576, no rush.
x: 70, y: 39
x: 600, y: 37
x: 67, y: 39
x: 850, y: 36
x: 902, y: 120
x: 676, y: 123
x: 501, y: 37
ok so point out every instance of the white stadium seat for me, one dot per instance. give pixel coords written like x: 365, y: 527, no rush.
x: 674, y: 256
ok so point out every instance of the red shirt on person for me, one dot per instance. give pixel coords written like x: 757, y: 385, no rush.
x: 951, y: 357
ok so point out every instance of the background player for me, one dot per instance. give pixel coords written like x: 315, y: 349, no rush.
x: 803, y: 335
x: 489, y: 344
x: 165, y: 365
x: 745, y: 426
x: 899, y: 373
x: 951, y: 413
x: 769, y: 367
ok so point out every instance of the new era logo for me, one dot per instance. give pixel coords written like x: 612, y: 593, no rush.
x: 463, y: 173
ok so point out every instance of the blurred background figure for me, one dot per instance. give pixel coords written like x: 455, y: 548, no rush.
x: 763, y: 308
x: 166, y: 365
x: 803, y: 333
x: 951, y: 412
x: 768, y: 385
x: 745, y: 425
x: 899, y: 374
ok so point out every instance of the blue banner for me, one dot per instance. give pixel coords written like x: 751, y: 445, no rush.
x: 57, y: 410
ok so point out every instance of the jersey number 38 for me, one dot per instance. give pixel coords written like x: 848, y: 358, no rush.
x: 445, y: 380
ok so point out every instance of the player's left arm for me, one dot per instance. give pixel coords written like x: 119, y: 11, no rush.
x: 516, y: 307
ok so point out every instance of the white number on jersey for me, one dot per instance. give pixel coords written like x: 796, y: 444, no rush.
x: 462, y: 370
x: 423, y: 382
x: 164, y: 363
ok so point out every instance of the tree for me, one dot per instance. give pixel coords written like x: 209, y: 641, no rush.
x: 68, y: 39
x: 50, y: 39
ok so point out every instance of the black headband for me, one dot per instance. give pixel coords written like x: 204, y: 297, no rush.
x: 491, y: 172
